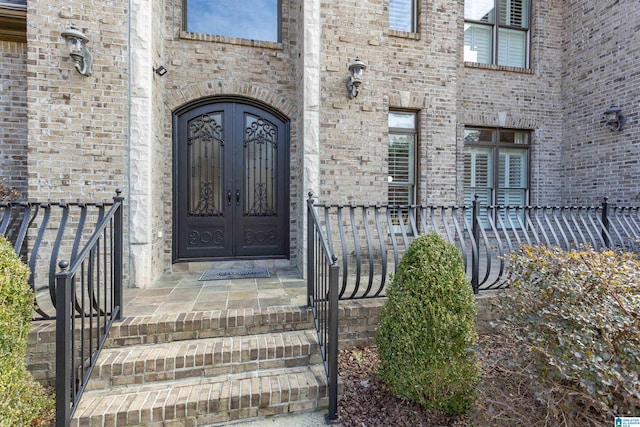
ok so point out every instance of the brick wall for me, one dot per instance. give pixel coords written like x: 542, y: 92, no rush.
x: 13, y: 115
x: 77, y: 125
x: 201, y: 66
x: 601, y: 69
x: 161, y: 159
x: 409, y: 71
x: 359, y: 319
x: 424, y: 72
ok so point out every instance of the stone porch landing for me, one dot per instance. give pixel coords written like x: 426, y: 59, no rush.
x: 182, y: 292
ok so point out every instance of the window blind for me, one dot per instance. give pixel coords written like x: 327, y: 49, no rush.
x: 401, y: 168
x: 514, y: 13
x: 512, y: 45
x: 401, y: 15
x: 477, y: 43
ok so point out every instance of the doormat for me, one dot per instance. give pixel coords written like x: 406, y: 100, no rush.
x: 236, y: 273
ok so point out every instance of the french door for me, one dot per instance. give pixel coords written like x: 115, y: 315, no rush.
x: 231, y: 166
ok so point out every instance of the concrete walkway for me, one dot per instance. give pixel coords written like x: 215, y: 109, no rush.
x: 304, y: 419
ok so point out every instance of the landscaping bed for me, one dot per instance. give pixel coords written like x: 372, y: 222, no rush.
x: 505, y: 397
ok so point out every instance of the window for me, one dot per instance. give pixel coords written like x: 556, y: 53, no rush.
x: 247, y: 19
x: 402, y: 15
x: 402, y: 158
x: 496, y: 167
x: 502, y: 44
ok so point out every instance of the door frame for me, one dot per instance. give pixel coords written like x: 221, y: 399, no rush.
x: 286, y: 170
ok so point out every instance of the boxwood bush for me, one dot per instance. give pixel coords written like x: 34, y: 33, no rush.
x: 427, y: 327
x: 576, y: 317
x: 22, y: 400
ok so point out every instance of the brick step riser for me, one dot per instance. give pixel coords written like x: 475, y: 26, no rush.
x: 202, y: 404
x: 143, y: 372
x: 145, y: 330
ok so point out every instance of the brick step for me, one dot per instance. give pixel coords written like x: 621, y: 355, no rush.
x: 142, y: 364
x: 204, y: 401
x: 208, y: 324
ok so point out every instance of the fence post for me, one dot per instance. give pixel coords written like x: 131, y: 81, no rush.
x: 310, y: 249
x: 605, y: 221
x: 64, y: 336
x: 117, y: 255
x: 332, y: 345
x: 475, y: 252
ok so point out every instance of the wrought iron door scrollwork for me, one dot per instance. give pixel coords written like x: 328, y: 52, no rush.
x: 199, y: 238
x: 206, y: 202
x: 205, y: 128
x: 260, y: 237
x: 260, y: 131
x: 260, y: 206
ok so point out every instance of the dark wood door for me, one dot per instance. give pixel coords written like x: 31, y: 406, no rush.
x: 232, y: 183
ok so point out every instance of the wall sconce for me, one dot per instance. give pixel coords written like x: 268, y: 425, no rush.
x: 356, y: 68
x: 614, y: 118
x: 76, y: 43
x: 161, y: 71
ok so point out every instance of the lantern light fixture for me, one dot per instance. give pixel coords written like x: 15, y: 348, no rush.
x: 356, y: 68
x: 614, y: 118
x: 77, y: 45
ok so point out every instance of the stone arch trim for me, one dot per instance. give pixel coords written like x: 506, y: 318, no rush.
x: 499, y: 119
x: 407, y: 99
x: 191, y: 92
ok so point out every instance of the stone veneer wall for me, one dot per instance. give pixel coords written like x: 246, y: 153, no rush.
x: 77, y: 125
x: 13, y: 115
x: 602, y: 62
x: 529, y: 99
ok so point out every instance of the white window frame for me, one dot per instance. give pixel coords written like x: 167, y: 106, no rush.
x: 503, y: 36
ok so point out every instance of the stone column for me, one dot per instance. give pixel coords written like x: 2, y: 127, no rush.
x: 311, y: 112
x: 140, y: 142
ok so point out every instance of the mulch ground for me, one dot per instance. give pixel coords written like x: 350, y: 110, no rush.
x: 506, y: 400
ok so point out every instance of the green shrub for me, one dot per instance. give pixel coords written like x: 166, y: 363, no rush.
x: 576, y: 316
x: 22, y: 399
x: 427, y: 327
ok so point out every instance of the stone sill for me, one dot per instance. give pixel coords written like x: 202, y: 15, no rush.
x: 498, y: 67
x: 186, y: 35
x: 404, y: 34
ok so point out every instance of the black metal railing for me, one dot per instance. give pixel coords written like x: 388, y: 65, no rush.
x: 322, y: 291
x: 43, y: 233
x: 88, y: 301
x: 369, y: 240
x: 86, y: 241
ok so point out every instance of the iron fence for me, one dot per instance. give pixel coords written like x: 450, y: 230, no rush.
x: 85, y: 240
x: 369, y: 240
x: 353, y: 250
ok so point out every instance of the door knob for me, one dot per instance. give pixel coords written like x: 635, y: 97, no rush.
x: 228, y: 197
x: 237, y: 197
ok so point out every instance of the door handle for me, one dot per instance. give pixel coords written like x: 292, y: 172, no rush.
x: 237, y: 197
x: 228, y: 197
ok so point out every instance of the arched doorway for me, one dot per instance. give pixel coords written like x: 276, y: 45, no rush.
x: 231, y: 181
